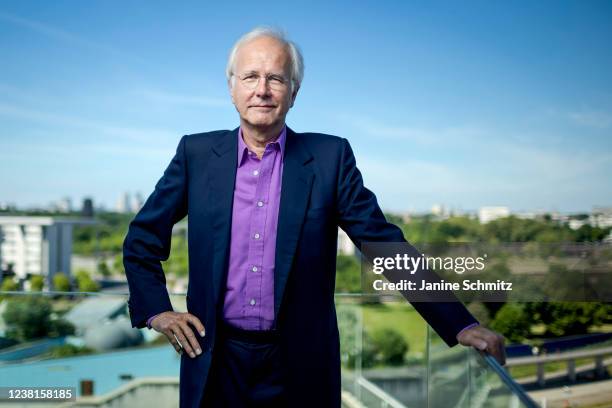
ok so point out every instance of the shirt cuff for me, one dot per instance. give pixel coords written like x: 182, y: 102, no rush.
x: 153, y: 317
x: 469, y: 326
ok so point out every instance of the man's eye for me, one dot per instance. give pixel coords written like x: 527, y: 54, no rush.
x: 250, y: 78
x: 277, y: 80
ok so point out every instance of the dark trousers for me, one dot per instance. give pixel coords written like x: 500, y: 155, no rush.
x: 246, y: 370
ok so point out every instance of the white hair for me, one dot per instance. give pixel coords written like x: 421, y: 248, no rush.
x: 295, y: 55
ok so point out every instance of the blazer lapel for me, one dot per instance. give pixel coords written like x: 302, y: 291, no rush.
x: 222, y: 177
x: 295, y: 194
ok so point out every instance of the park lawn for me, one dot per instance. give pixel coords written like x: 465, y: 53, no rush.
x: 400, y: 317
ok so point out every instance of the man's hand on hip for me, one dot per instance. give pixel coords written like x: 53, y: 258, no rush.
x: 484, y: 339
x: 175, y: 326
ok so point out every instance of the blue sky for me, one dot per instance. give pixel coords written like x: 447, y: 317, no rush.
x: 465, y: 104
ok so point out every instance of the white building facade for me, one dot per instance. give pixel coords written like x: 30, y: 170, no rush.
x: 488, y: 214
x: 32, y: 245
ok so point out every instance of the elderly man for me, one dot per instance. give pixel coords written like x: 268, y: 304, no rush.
x: 264, y: 207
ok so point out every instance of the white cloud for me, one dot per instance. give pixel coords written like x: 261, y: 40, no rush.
x: 488, y: 165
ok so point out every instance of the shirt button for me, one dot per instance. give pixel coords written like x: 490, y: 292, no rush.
x: 254, y: 269
x: 256, y: 236
x: 255, y: 172
x: 260, y: 203
x: 252, y: 302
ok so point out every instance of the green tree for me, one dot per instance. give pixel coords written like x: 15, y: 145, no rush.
x: 496, y: 270
x: 569, y: 318
x: 480, y: 312
x: 588, y: 233
x: 30, y: 317
x: 106, y: 236
x: 348, y: 274
x: 178, y: 261
x: 118, y: 264
x: 512, y: 321
x: 103, y: 268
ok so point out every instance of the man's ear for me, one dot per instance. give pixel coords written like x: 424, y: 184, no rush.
x: 293, y: 96
x: 231, y: 90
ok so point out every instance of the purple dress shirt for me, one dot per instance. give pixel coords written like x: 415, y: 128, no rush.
x: 249, y: 290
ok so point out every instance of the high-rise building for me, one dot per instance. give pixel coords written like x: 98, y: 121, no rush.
x: 88, y: 208
x: 137, y: 202
x: 124, y: 205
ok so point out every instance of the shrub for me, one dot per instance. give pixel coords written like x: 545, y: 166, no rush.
x: 390, y: 347
x: 61, y: 283
x: 9, y: 284
x: 37, y: 282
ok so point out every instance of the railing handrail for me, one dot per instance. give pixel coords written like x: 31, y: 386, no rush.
x: 548, y: 358
x: 507, y: 380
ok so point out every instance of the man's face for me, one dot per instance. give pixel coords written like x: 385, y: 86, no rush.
x: 266, y: 105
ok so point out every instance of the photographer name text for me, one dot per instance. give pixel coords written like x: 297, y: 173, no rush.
x: 423, y: 285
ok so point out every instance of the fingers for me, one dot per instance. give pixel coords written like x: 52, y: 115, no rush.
x: 485, y: 340
x: 175, y: 343
x: 180, y: 334
x: 495, y: 345
x: 473, y: 338
x: 194, y: 345
x: 196, y: 323
x: 186, y: 338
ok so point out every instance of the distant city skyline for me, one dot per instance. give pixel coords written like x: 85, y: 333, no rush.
x: 462, y: 105
x: 132, y: 202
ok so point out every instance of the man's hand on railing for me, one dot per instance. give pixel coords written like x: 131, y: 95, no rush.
x: 485, y: 340
x: 175, y: 327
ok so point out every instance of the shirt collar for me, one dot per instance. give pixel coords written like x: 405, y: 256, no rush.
x: 243, y: 149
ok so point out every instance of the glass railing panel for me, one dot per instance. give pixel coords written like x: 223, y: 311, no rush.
x: 463, y: 377
x: 389, y: 356
x: 79, y: 340
x: 383, y: 347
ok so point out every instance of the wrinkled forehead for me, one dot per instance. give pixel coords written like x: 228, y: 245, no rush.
x: 264, y: 55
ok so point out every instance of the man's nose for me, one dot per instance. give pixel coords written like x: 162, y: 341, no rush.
x: 262, y: 88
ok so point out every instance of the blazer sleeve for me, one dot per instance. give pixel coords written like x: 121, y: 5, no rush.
x: 362, y: 219
x: 147, y: 242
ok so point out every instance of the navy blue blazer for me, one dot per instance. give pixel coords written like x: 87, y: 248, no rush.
x: 321, y: 190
